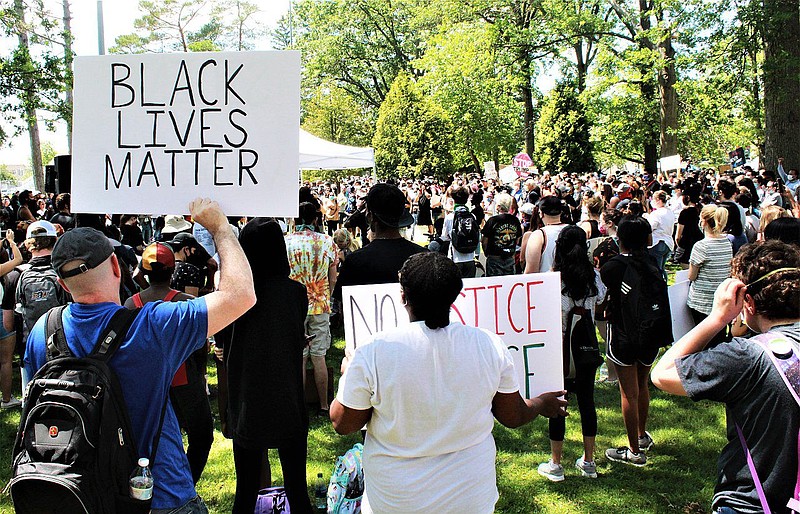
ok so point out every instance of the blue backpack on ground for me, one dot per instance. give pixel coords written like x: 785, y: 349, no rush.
x: 346, y: 487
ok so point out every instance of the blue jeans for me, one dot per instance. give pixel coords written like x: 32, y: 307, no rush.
x: 195, y: 506
x: 660, y: 253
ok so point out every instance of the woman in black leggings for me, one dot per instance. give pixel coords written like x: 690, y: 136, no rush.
x: 581, y: 291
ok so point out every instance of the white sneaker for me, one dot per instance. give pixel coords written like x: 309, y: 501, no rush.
x: 587, y: 469
x: 551, y: 471
x: 10, y: 404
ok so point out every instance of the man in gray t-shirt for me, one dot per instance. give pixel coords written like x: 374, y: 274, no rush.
x: 740, y: 374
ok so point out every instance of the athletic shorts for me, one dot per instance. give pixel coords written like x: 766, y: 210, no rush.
x: 319, y: 326
x: 5, y: 333
x: 622, y: 353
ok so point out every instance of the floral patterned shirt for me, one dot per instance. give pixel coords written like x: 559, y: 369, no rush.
x: 311, y: 254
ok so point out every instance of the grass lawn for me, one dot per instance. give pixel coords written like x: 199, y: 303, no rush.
x: 678, y: 478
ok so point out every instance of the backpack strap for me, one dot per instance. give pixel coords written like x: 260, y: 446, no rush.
x: 112, y: 336
x: 137, y: 300
x: 544, y: 245
x: 764, y: 341
x: 54, y: 334
x: 171, y: 294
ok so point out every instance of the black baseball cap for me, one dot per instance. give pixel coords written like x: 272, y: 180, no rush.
x: 388, y: 204
x: 88, y: 245
x: 183, y: 240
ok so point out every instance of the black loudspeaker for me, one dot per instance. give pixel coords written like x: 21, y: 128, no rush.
x: 50, y: 178
x: 63, y: 164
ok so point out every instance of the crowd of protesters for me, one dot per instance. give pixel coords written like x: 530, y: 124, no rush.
x: 737, y: 233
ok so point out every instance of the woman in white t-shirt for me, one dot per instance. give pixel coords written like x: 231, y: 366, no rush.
x: 662, y: 222
x: 429, y: 393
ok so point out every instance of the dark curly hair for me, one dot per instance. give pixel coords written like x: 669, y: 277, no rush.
x: 571, y: 259
x: 431, y: 283
x: 777, y: 296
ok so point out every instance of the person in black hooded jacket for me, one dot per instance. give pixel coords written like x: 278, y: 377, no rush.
x: 266, y: 407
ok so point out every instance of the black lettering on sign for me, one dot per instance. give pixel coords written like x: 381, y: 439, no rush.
x: 144, y: 102
x: 353, y: 308
x: 155, y: 144
x: 126, y: 167
x: 119, y: 82
x: 200, y: 82
x: 247, y: 167
x: 229, y: 80
x: 182, y: 139
x: 197, y: 152
x: 238, y: 127
x: 204, y: 127
x: 393, y: 311
x: 183, y: 74
x: 217, y: 167
x: 147, y: 163
x: 120, y: 144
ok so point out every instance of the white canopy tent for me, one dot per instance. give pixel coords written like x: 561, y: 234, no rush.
x: 318, y: 154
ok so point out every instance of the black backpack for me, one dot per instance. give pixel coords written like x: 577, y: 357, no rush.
x: 75, y: 450
x: 581, y: 350
x: 466, y: 233
x: 646, y: 315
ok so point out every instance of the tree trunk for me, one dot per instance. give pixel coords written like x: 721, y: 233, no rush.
x: 68, y: 56
x: 668, y: 98
x: 29, y: 100
x: 781, y: 83
x: 650, y: 149
x: 581, y: 66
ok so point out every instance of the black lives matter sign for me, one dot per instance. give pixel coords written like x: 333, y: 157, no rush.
x: 153, y: 131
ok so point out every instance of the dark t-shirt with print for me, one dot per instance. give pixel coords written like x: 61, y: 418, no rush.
x: 502, y: 230
x: 741, y: 375
x: 186, y: 275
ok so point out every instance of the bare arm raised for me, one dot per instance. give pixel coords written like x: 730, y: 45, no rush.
x: 235, y: 294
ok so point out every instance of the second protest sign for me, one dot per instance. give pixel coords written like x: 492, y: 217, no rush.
x: 524, y: 310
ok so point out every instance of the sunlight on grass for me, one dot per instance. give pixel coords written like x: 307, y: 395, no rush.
x: 679, y: 476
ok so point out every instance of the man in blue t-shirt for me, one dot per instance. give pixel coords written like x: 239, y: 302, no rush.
x: 162, y: 337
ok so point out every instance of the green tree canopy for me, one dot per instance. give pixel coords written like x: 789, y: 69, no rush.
x: 413, y: 135
x: 563, y: 135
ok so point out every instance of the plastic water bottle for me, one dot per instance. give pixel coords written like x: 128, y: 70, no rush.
x: 141, y: 482
x: 321, y: 494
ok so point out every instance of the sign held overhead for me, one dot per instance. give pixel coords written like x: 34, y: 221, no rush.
x: 154, y: 131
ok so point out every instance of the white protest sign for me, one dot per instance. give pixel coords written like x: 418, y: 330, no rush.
x: 154, y: 131
x: 673, y: 162
x: 682, y: 321
x: 524, y: 310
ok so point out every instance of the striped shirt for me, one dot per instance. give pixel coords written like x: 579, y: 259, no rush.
x: 713, y: 258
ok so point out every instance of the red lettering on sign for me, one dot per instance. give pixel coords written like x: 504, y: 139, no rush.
x: 510, y: 319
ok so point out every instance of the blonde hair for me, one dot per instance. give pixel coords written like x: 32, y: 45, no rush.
x: 344, y: 240
x: 661, y: 196
x: 715, y: 218
x: 594, y: 205
x: 769, y: 214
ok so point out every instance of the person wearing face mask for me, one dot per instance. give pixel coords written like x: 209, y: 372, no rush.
x: 187, y: 277
x: 790, y: 179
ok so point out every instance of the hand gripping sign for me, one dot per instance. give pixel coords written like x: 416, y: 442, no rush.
x: 524, y: 310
